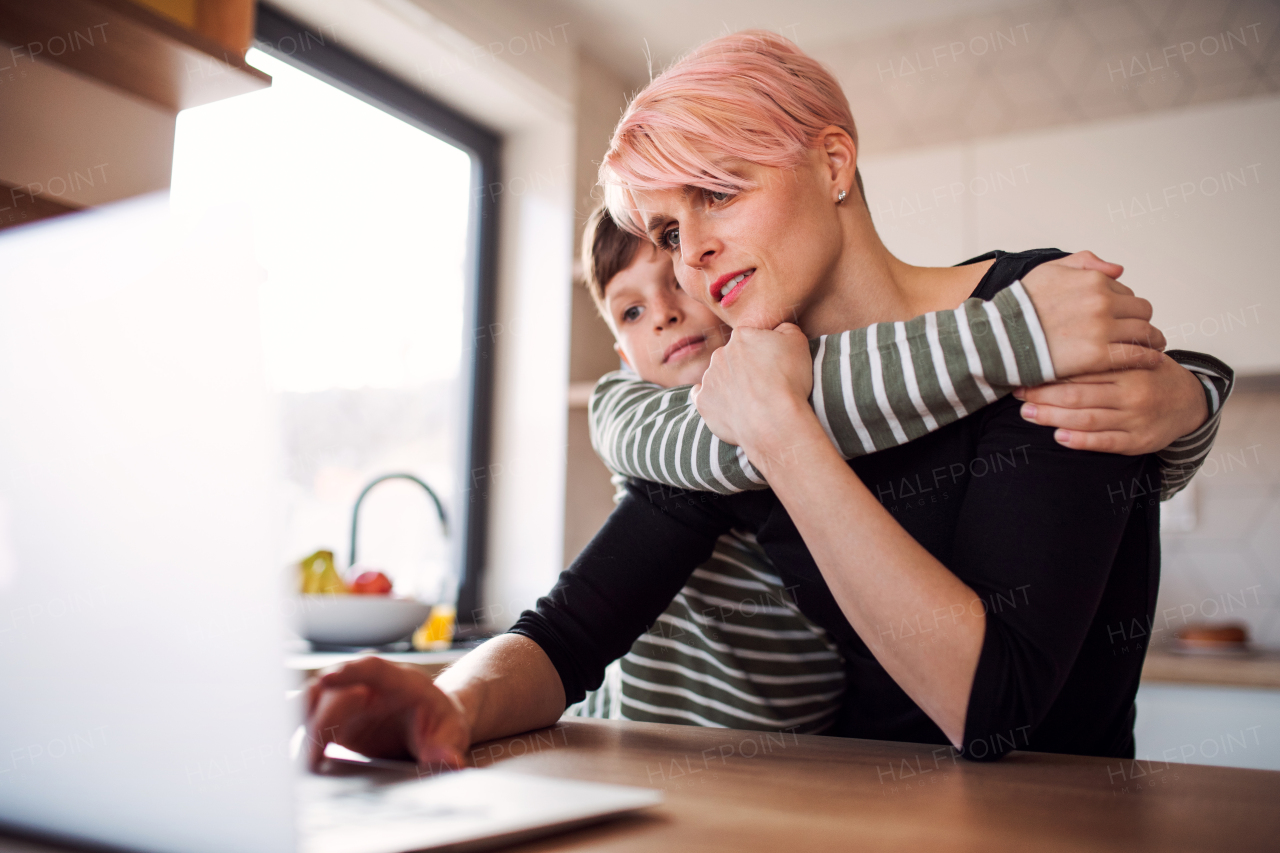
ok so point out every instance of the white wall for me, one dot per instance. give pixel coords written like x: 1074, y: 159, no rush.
x: 1187, y: 200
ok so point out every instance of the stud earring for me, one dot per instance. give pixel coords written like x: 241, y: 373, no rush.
x: 840, y: 198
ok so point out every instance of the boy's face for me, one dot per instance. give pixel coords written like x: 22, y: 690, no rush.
x: 662, y: 333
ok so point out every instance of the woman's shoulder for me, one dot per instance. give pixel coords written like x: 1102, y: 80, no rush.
x: 1008, y: 268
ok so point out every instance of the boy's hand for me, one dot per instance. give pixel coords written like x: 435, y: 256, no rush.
x: 383, y: 710
x: 1130, y: 412
x: 1092, y: 322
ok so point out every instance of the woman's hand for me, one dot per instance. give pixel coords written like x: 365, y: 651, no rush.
x: 383, y: 710
x: 1091, y: 321
x: 756, y: 388
x: 1130, y: 412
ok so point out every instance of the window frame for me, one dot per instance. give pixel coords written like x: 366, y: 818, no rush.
x: 291, y: 41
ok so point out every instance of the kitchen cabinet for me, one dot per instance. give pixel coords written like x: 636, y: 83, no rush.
x: 132, y: 48
x: 1186, y: 199
x: 1207, y: 724
x: 91, y: 90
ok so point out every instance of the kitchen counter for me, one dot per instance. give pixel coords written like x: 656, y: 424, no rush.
x: 309, y: 663
x: 1261, y: 669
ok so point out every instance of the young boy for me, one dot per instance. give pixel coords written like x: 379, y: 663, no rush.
x: 732, y: 650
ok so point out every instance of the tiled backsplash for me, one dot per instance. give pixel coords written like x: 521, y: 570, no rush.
x: 1227, y: 567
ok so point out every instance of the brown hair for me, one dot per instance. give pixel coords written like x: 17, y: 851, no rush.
x: 606, y: 251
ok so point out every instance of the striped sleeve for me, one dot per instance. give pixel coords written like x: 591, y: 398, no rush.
x: 1180, y: 461
x: 873, y: 389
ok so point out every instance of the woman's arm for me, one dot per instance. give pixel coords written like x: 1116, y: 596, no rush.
x: 384, y: 710
x: 613, y: 592
x: 880, y: 576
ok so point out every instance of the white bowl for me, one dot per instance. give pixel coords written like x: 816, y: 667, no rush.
x: 358, y: 620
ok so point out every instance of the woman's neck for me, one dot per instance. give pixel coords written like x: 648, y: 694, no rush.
x: 868, y: 284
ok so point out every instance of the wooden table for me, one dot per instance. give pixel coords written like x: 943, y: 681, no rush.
x: 739, y: 791
x: 744, y: 791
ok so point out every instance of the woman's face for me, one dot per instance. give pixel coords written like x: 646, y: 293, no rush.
x: 759, y: 258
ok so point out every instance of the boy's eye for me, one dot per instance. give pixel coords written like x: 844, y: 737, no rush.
x: 670, y: 239
x: 631, y: 314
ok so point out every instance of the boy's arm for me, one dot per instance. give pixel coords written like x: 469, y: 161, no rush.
x: 874, y: 388
x: 1180, y: 461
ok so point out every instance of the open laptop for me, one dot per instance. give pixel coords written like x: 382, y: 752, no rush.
x: 141, y: 676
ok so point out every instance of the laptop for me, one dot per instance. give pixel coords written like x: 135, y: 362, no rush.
x: 142, y: 682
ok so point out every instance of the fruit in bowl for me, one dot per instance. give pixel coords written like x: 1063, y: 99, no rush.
x: 362, y: 613
x: 371, y: 583
x: 319, y: 576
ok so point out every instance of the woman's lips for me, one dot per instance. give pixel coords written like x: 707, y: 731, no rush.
x: 728, y: 288
x: 683, y: 347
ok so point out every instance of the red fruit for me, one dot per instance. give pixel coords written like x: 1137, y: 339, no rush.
x: 371, y: 583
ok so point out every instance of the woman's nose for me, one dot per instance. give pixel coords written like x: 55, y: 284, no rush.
x: 697, y: 247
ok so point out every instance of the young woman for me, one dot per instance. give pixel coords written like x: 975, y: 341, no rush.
x: 969, y: 584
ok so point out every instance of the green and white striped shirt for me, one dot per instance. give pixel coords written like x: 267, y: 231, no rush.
x: 873, y: 389
x: 731, y: 651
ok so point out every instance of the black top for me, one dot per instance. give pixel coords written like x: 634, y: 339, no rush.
x: 1061, y: 547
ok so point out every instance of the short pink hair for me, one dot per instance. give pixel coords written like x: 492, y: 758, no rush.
x: 752, y: 95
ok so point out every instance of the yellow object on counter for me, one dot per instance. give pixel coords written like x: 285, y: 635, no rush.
x: 319, y: 575
x: 437, y: 632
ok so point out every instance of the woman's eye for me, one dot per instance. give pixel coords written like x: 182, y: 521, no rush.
x: 671, y: 239
x: 718, y: 196
x: 631, y: 314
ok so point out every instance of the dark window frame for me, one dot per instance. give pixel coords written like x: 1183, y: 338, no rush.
x: 311, y: 51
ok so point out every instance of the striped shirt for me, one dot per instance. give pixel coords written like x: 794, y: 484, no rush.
x: 731, y: 651
x: 873, y: 389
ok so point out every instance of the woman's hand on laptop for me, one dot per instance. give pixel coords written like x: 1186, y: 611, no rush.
x: 1128, y: 411
x: 382, y: 710
x: 1092, y: 322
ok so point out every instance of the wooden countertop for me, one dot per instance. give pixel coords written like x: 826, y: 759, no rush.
x: 431, y: 663
x: 736, y: 791
x: 1261, y: 669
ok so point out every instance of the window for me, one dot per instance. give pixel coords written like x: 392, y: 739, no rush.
x: 377, y: 255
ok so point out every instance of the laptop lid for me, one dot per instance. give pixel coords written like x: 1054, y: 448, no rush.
x: 141, y: 686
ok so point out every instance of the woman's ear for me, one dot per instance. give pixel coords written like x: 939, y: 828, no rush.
x: 840, y: 157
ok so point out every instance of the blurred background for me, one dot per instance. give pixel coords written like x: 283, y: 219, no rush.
x: 422, y: 311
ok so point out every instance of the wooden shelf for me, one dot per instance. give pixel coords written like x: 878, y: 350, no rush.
x: 130, y: 48
x: 18, y: 207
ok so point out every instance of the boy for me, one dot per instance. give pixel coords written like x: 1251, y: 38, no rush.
x: 732, y: 650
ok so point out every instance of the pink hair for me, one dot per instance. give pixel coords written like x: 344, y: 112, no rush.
x: 752, y: 95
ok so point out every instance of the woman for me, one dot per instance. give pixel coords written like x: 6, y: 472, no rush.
x: 977, y: 617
